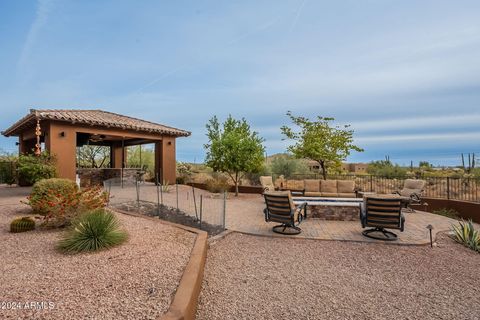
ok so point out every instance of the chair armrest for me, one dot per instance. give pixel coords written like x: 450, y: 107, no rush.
x: 402, y: 221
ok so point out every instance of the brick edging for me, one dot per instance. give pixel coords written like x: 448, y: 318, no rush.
x: 184, y: 303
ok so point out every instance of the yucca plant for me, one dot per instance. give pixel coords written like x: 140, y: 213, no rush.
x: 92, y: 231
x: 165, y: 186
x: 466, y: 234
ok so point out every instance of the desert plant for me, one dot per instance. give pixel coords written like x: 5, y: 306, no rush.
x: 60, y: 200
x: 165, y: 186
x: 92, y: 231
x: 218, y: 185
x: 449, y: 213
x: 32, y: 168
x: 466, y: 234
x: 46, y: 194
x: 22, y: 225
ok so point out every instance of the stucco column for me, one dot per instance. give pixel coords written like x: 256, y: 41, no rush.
x: 118, y: 161
x: 165, y: 160
x: 61, y: 141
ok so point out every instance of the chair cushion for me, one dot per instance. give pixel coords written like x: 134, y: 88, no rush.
x: 330, y: 194
x: 329, y: 186
x: 311, y: 185
x: 346, y: 195
x: 313, y: 194
x: 414, y: 184
x: 266, y: 181
x: 346, y: 186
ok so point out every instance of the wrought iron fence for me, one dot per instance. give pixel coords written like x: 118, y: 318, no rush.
x: 177, y: 203
x: 454, y: 188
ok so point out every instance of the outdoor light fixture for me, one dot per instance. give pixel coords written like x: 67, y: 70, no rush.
x: 62, y: 134
x: 430, y: 228
x: 169, y: 143
x: 17, y: 143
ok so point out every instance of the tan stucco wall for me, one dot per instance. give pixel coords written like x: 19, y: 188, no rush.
x: 165, y: 158
x: 64, y: 148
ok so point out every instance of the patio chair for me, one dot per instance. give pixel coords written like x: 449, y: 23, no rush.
x: 280, y: 208
x: 413, y: 189
x: 381, y: 213
x: 267, y: 183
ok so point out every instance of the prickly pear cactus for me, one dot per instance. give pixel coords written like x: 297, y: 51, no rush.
x: 22, y: 225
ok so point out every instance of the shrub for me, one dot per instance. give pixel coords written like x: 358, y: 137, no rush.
x: 47, y: 193
x: 465, y: 234
x: 60, y: 200
x: 8, y: 172
x: 449, y: 213
x: 32, y: 168
x: 92, y: 231
x: 22, y: 225
x: 218, y: 185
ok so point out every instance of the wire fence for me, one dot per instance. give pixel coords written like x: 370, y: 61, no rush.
x: 454, y: 188
x: 176, y: 203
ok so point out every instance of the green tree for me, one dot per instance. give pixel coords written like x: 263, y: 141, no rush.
x: 320, y: 141
x: 234, y: 149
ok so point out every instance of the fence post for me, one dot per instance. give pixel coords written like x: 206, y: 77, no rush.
x: 137, y: 187
x: 158, y: 194
x: 448, y: 187
x: 176, y: 188
x: 194, y: 202
x: 161, y: 193
x: 224, y: 207
x: 371, y: 183
x: 201, y: 209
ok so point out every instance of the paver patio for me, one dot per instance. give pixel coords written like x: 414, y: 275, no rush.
x: 245, y: 214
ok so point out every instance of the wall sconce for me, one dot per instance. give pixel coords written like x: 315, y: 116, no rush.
x: 17, y: 143
x: 169, y: 143
x: 62, y: 134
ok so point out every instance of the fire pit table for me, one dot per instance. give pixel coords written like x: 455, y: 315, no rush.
x: 343, y: 209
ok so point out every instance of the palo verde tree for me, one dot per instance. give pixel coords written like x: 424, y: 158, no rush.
x: 320, y: 141
x: 234, y: 149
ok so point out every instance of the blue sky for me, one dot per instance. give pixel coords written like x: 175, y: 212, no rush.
x: 405, y: 74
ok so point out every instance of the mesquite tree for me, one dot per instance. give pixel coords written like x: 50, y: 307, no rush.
x: 320, y: 141
x: 233, y: 149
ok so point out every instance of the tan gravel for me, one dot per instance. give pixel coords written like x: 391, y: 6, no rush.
x: 250, y: 277
x: 134, y: 281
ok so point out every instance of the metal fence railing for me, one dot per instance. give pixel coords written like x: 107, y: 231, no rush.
x: 177, y: 203
x: 454, y: 188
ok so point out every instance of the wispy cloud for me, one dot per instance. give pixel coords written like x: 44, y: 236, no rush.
x: 44, y: 8
x: 297, y: 16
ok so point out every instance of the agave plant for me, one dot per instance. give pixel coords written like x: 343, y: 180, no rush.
x: 92, y: 231
x: 466, y: 234
x: 165, y: 186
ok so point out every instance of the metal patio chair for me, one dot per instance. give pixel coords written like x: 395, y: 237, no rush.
x: 382, y: 213
x: 280, y: 208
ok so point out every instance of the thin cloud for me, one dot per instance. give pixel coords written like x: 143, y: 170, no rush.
x: 44, y: 8
x: 297, y: 16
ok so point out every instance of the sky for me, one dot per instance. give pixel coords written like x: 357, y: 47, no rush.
x: 405, y: 74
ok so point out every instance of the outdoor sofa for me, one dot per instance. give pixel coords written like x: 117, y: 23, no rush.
x: 329, y: 188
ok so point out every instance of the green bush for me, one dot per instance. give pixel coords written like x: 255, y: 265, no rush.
x: 92, y: 231
x: 22, y: 225
x: 32, y: 168
x: 47, y: 193
x: 449, y: 213
x: 466, y: 234
x: 218, y: 185
x: 386, y: 169
x: 8, y: 172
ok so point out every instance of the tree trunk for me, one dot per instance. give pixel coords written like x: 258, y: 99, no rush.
x: 236, y: 184
x: 324, y: 169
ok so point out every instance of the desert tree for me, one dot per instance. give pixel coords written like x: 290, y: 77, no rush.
x: 320, y: 141
x: 233, y: 148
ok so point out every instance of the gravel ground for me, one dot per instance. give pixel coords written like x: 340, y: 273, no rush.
x: 250, y: 277
x: 134, y: 281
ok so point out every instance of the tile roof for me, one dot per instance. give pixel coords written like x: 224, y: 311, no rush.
x: 98, y: 118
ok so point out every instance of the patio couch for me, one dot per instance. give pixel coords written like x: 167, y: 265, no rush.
x: 329, y: 188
